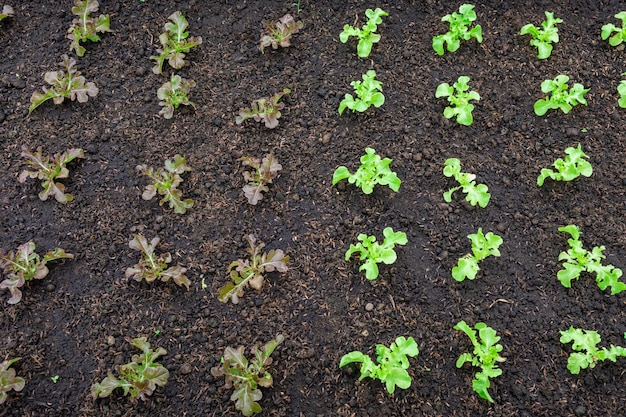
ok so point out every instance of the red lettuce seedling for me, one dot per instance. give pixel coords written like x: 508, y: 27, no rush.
x: 7, y: 11
x: 392, y: 365
x: 49, y: 170
x: 174, y: 93
x: 165, y: 182
x: 578, y: 259
x: 486, y: 355
x: 279, y: 33
x: 476, y: 194
x: 24, y: 265
x: 69, y: 84
x: 459, y: 23
x: 8, y: 380
x: 620, y: 33
x: 247, y: 377
x: 264, y: 109
x: 86, y: 28
x: 367, y: 34
x: 246, y: 272
x: 374, y: 253
x: 543, y: 38
x: 138, y: 378
x: 152, y: 267
x: 482, y: 247
x: 587, y: 354
x: 373, y: 170
x: 264, y: 173
x: 175, y: 42
x: 569, y: 169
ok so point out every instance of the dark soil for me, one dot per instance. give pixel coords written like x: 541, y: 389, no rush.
x: 76, y: 323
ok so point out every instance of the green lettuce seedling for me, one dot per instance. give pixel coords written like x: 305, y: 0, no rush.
x: 543, y: 38
x: 24, y: 265
x: 152, y: 267
x: 476, y: 194
x: 8, y: 380
x: 620, y: 33
x: 247, y: 377
x: 138, y: 378
x: 244, y: 272
x: 367, y: 34
x: 392, y: 365
x: 373, y: 253
x: 578, y: 259
x: 373, y: 171
x: 175, y: 42
x: 560, y: 97
x: 459, y: 98
x: 7, y: 11
x: 279, y: 33
x: 86, y: 28
x: 165, y: 182
x: 482, y: 247
x: 586, y: 353
x: 174, y: 93
x: 621, y: 90
x: 369, y: 93
x: 264, y: 109
x: 49, y: 170
x: 65, y: 84
x: 265, y: 172
x: 486, y: 355
x: 459, y: 23
x: 569, y: 169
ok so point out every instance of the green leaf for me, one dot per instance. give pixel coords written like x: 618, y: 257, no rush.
x: 467, y: 268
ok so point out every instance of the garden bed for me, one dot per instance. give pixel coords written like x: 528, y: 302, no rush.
x: 75, y: 323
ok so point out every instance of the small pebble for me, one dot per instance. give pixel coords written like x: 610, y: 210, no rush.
x: 369, y: 307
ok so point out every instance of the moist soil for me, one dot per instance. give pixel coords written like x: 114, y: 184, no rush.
x: 76, y: 323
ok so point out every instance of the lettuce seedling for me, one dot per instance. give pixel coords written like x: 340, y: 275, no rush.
x: 244, y: 272
x: 175, y: 42
x: 482, y: 247
x: 65, y: 84
x: 264, y: 109
x: 152, y: 267
x: 373, y: 170
x: 86, y: 28
x: 138, y: 378
x: 560, y: 97
x: 543, y: 38
x: 578, y: 259
x: 265, y: 172
x: 247, y: 377
x: 367, y: 34
x: 621, y: 90
x: 165, y: 182
x: 476, y: 194
x: 279, y: 33
x: 392, y: 365
x: 459, y: 23
x: 587, y: 354
x: 569, y: 169
x: 24, y: 265
x: 174, y: 93
x: 620, y: 33
x: 8, y: 380
x: 486, y: 355
x: 373, y: 253
x: 7, y: 11
x: 459, y: 98
x: 369, y: 93
x: 49, y: 170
